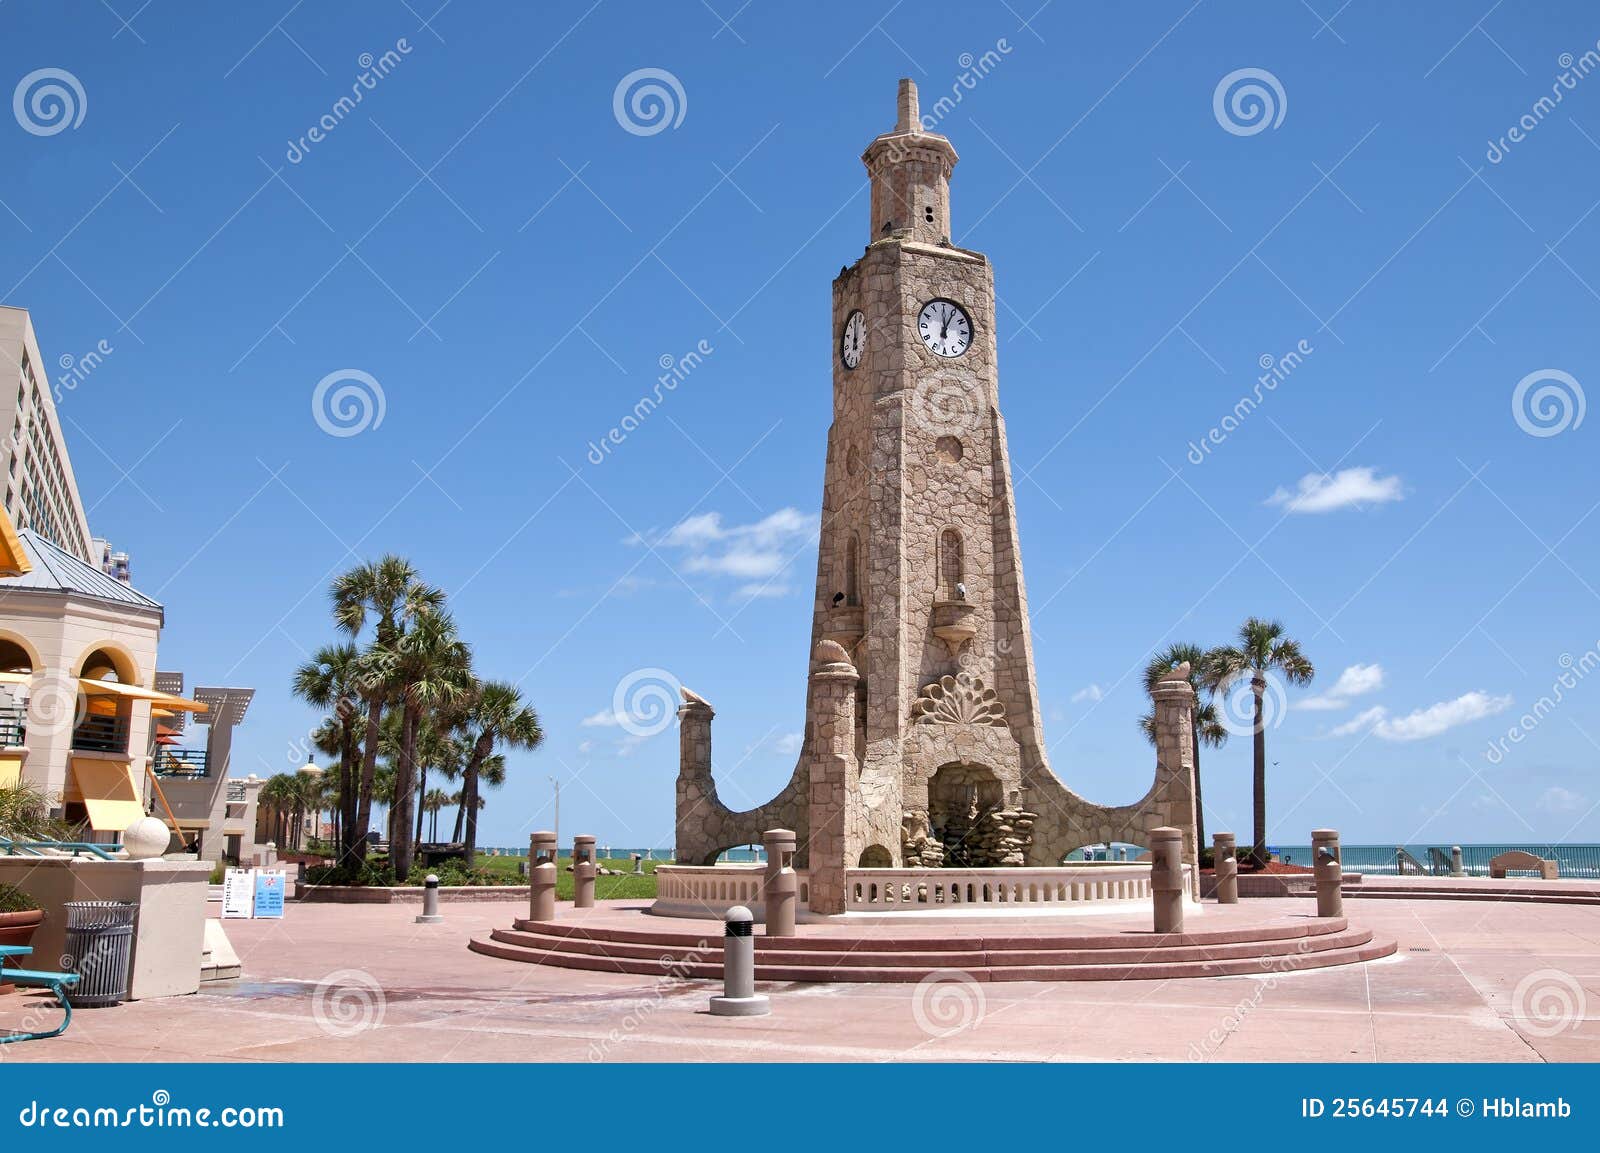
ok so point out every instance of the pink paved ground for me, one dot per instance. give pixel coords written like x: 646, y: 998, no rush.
x: 413, y: 992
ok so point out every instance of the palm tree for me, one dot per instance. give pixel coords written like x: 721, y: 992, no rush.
x: 1262, y: 649
x: 390, y: 591
x: 331, y: 680
x: 432, y: 802
x: 1207, y: 727
x: 495, y: 715
x: 429, y: 668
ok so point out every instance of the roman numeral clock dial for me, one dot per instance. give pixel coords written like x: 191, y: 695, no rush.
x: 853, y: 340
x: 945, y: 328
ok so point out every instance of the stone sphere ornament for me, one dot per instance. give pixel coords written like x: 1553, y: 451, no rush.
x: 146, y: 839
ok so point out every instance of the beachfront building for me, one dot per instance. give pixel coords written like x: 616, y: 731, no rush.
x: 83, y: 712
x: 35, y: 471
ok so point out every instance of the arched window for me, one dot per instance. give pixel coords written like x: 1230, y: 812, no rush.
x: 852, y: 570
x: 949, y: 563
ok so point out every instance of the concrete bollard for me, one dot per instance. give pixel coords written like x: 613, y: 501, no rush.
x: 542, y: 874
x: 1225, y: 856
x: 1456, y: 869
x: 780, y: 887
x: 583, y: 872
x: 1166, y: 878
x: 430, y: 902
x: 739, y: 997
x: 638, y: 865
x: 1330, y: 874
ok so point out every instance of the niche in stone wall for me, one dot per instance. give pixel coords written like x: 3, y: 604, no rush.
x: 950, y: 561
x: 852, y: 570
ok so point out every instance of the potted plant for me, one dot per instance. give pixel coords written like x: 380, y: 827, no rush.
x: 20, y: 915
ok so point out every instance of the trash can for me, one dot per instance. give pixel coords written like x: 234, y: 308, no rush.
x: 99, y: 950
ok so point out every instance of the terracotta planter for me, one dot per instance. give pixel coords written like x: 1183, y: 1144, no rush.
x: 17, y: 928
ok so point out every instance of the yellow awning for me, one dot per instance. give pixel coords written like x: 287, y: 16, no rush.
x: 110, y: 791
x: 134, y: 692
x: 15, y: 678
x: 10, y: 772
x: 13, y: 560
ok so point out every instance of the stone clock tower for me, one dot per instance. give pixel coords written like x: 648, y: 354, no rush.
x: 923, y: 744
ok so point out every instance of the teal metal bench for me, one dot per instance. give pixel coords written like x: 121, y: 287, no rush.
x: 57, y: 983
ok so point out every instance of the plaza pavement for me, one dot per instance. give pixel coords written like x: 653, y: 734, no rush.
x: 363, y: 982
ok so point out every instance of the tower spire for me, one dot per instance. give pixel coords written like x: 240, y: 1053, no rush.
x: 910, y: 116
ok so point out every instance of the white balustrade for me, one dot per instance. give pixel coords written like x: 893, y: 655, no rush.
x: 921, y: 890
x: 711, y: 890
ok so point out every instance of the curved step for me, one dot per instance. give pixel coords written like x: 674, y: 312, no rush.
x: 820, y: 971
x: 1047, y: 952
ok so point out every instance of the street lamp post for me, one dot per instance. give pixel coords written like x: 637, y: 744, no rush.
x: 557, y: 785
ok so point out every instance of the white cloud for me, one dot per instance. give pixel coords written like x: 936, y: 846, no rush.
x: 1089, y: 693
x: 1424, y: 723
x: 788, y: 744
x: 1555, y: 799
x: 767, y: 590
x: 604, y: 719
x: 1355, y: 681
x: 755, y: 553
x: 585, y: 747
x: 1350, y: 487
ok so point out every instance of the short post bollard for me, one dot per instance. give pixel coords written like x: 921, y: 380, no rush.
x: 430, y: 902
x: 542, y: 876
x: 1225, y: 857
x: 780, y: 887
x: 739, y: 997
x: 1330, y: 874
x: 1456, y: 869
x: 638, y: 865
x: 583, y: 871
x: 1166, y: 878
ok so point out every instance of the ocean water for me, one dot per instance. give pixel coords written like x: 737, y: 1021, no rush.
x: 1575, y: 860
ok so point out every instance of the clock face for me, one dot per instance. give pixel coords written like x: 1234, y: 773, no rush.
x: 945, y: 328
x: 854, y: 339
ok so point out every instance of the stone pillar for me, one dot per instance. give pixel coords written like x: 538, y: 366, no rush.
x: 1456, y: 869
x: 832, y: 717
x: 1330, y: 876
x: 1166, y: 878
x: 697, y: 792
x: 1224, y: 855
x: 542, y: 876
x: 780, y: 888
x: 583, y: 871
x: 1173, y: 803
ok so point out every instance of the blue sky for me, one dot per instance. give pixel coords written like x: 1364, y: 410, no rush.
x: 484, y: 239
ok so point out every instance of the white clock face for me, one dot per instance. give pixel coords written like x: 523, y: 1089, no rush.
x: 854, y: 340
x: 944, y: 328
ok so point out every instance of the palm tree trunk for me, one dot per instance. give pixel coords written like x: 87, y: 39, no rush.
x: 1199, y: 801
x: 369, y: 769
x: 469, y: 792
x: 1260, y: 783
x: 400, y: 849
x: 461, y: 814
x: 345, y: 814
x: 422, y: 804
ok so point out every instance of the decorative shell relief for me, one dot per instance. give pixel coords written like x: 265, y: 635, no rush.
x: 951, y: 702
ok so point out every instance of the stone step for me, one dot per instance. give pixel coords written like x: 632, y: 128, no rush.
x: 830, y: 969
x: 1057, y: 952
x: 1444, y: 893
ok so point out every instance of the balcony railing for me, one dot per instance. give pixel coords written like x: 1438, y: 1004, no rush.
x: 182, y: 763
x: 13, y: 726
x: 101, y: 735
